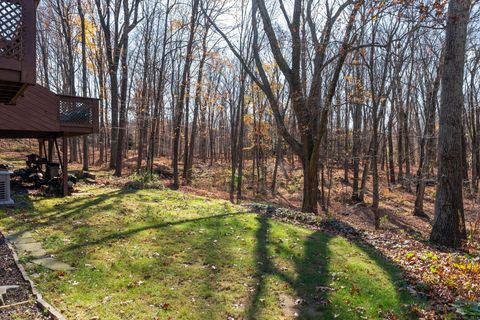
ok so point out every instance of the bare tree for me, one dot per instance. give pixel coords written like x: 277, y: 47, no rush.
x: 179, y: 104
x: 122, y: 19
x: 449, y: 224
x: 306, y: 107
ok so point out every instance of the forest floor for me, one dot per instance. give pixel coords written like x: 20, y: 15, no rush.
x: 449, y: 279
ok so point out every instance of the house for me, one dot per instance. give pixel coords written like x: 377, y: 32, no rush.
x: 28, y: 110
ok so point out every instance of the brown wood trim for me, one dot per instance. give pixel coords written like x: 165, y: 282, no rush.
x: 19, y: 93
x: 65, y: 166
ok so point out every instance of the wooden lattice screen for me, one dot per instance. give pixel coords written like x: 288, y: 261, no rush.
x: 77, y: 111
x: 17, y: 44
x: 11, y: 30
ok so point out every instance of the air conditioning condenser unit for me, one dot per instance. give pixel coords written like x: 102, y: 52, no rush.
x: 5, y: 195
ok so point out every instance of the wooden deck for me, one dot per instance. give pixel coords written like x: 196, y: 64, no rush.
x: 39, y: 113
x: 28, y: 110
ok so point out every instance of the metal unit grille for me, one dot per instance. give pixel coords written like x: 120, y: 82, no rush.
x: 11, y: 30
x: 4, y: 196
x: 75, y: 112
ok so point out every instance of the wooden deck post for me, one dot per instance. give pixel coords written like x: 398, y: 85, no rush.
x: 50, y: 150
x: 40, y: 148
x: 64, y: 166
x: 58, y: 152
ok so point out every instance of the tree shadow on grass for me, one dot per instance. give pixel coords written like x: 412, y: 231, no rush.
x: 216, y: 252
x: 334, y: 278
x: 265, y: 267
x: 130, y: 232
x: 71, y: 210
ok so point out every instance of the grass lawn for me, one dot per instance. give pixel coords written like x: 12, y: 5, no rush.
x: 160, y: 254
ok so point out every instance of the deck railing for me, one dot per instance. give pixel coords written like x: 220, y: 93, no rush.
x: 17, y: 41
x: 78, y: 111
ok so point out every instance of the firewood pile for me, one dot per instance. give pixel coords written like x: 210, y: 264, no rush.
x: 49, y: 181
x: 32, y: 173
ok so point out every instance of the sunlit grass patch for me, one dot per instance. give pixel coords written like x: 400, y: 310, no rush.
x: 141, y: 254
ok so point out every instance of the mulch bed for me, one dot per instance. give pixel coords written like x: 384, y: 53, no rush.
x: 26, y: 307
x: 449, y: 279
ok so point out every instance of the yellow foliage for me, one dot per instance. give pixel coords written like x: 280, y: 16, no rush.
x: 248, y: 119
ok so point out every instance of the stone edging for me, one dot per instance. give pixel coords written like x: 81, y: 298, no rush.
x: 41, y: 303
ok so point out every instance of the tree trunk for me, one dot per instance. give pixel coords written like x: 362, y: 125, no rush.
x: 310, y: 185
x: 198, y: 100
x: 449, y: 224
x: 346, y: 162
x: 179, y: 104
x: 356, y: 146
x: 84, y: 78
x: 186, y: 138
x: 426, y: 145
x: 122, y: 124
x: 391, y: 165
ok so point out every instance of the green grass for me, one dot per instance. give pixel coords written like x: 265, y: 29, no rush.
x: 160, y: 254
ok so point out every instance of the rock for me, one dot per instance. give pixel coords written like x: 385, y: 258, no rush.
x: 52, y: 264
x: 76, y: 173
x: 89, y: 175
x: 33, y: 249
x: 164, y: 172
x: 90, y: 181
